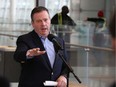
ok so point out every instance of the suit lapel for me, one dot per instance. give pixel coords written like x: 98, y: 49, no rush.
x: 39, y: 44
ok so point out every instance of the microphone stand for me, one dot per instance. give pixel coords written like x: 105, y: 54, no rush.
x: 70, y: 68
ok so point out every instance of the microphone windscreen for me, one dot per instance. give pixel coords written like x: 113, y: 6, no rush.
x: 57, y: 45
x: 50, y: 37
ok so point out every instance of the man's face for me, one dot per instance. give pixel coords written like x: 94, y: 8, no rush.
x: 41, y: 23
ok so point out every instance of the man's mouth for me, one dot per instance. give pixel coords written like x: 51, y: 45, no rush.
x: 44, y: 28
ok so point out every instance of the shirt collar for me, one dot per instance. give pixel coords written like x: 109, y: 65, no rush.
x: 42, y: 37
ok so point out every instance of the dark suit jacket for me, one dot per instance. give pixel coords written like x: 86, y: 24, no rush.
x: 37, y: 70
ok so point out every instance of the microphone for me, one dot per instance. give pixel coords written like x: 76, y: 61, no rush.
x: 57, y: 45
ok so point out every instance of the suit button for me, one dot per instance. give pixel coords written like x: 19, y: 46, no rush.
x: 52, y: 73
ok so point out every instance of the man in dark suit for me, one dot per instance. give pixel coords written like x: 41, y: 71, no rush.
x: 37, y: 54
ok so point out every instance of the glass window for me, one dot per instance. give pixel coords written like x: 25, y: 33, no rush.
x: 55, y: 6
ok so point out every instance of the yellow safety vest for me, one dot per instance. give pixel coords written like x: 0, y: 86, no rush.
x: 59, y: 18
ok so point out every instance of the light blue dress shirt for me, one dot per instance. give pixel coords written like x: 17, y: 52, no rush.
x: 48, y: 45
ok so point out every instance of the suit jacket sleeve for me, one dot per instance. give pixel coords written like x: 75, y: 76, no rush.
x: 20, y: 53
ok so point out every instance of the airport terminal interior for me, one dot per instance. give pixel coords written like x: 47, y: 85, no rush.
x: 88, y: 43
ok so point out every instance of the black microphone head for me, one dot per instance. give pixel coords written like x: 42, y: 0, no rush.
x: 50, y: 37
x: 53, y: 39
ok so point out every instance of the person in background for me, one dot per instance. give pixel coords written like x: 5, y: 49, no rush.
x: 62, y: 18
x: 112, y: 29
x: 64, y: 23
x: 99, y: 39
x: 4, y: 82
x: 37, y: 54
x: 102, y: 22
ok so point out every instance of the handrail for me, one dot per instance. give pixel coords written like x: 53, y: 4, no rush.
x: 87, y: 48
x: 9, y: 35
x: 14, y: 23
x: 14, y: 30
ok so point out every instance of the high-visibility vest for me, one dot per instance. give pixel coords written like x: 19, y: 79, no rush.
x: 104, y: 24
x: 59, y: 18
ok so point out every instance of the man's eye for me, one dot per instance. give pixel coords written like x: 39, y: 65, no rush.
x: 38, y: 21
x: 45, y: 19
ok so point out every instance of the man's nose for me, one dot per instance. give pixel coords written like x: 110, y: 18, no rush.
x: 43, y: 23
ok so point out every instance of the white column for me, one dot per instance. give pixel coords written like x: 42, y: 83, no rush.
x: 12, y: 21
x: 12, y: 11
